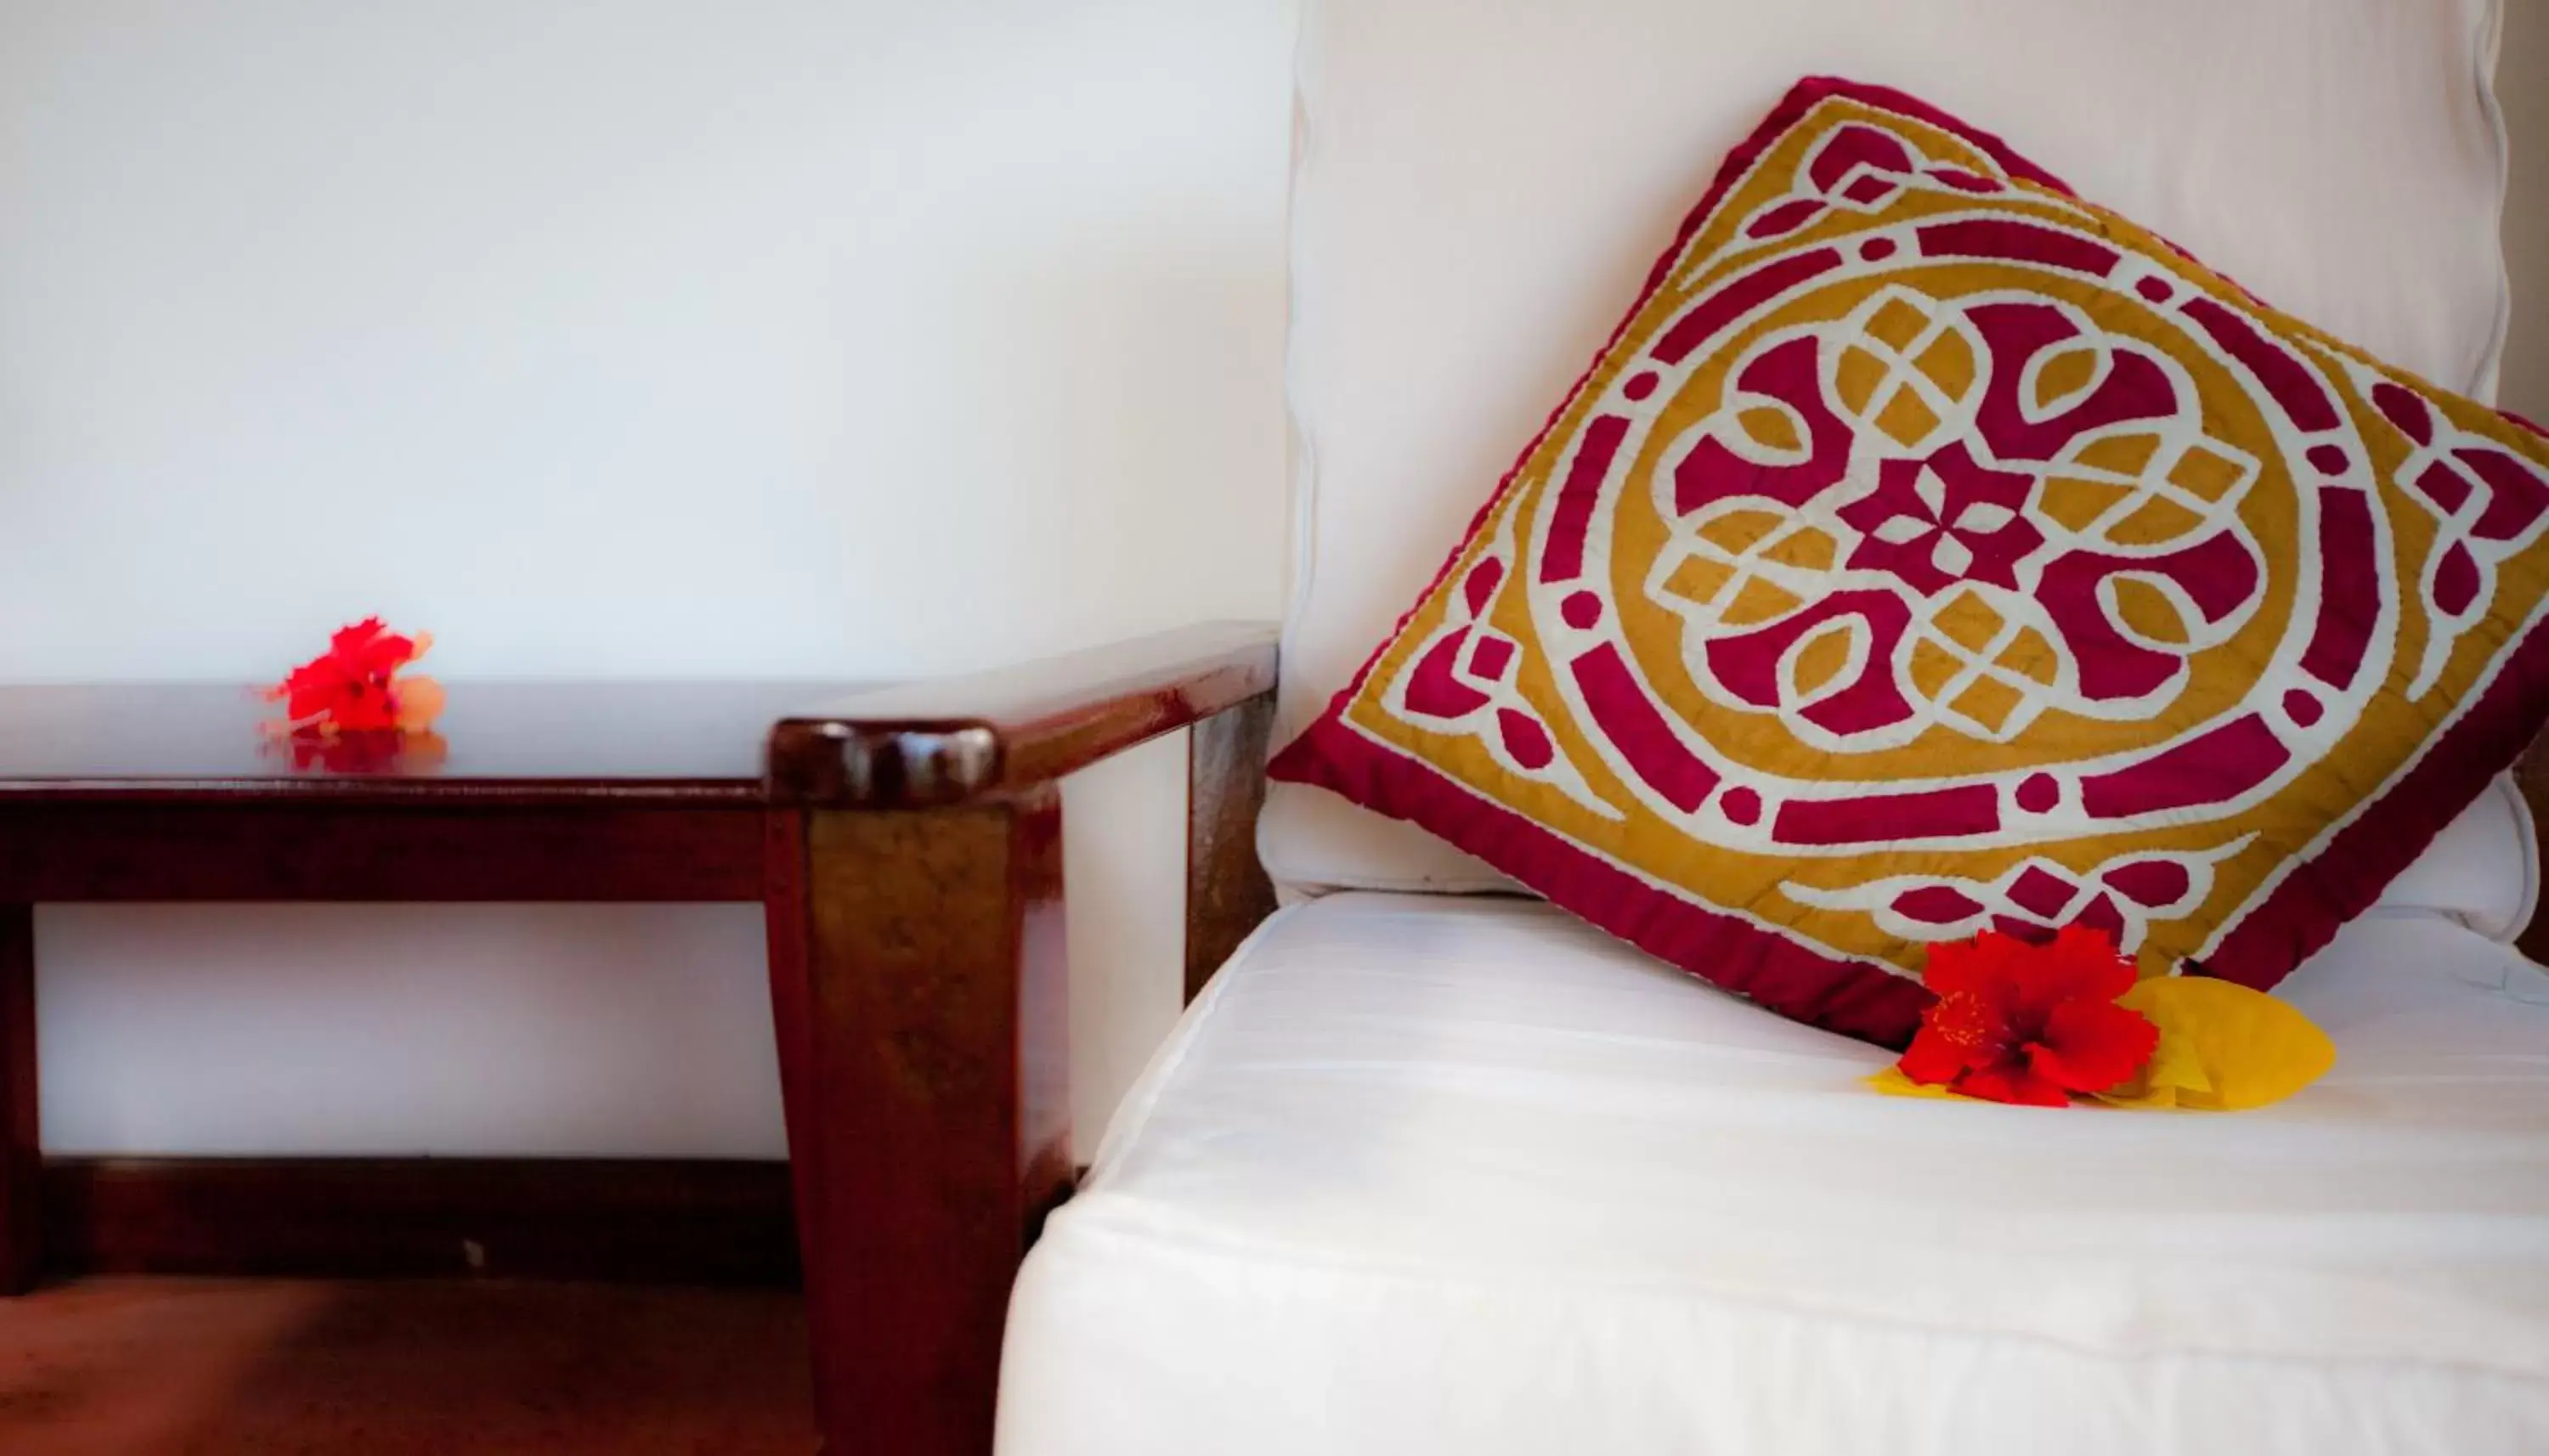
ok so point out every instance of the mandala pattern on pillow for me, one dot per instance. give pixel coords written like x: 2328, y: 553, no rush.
x: 1931, y: 550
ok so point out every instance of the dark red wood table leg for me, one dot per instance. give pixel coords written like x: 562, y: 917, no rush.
x: 783, y: 896
x: 928, y: 1104
x: 21, y: 1162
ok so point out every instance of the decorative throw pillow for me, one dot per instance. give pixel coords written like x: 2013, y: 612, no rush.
x: 1931, y: 550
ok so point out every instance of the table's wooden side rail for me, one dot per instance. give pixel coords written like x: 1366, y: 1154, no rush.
x: 947, y: 741
x: 914, y: 892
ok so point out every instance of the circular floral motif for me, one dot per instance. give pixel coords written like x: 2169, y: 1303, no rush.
x: 1959, y: 512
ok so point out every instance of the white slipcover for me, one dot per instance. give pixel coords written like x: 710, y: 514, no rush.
x: 1439, y: 1174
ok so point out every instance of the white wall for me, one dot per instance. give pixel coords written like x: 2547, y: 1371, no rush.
x: 2522, y: 87
x: 650, y: 338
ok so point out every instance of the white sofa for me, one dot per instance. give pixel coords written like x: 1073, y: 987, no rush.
x: 1445, y: 1171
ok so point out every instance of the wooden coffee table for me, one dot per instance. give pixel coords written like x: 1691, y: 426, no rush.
x: 905, y: 840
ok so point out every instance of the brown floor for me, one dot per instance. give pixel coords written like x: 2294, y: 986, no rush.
x: 203, y: 1367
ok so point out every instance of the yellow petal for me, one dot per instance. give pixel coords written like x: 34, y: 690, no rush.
x: 2221, y: 1047
x: 2176, y: 1065
x: 1893, y: 1083
x: 420, y: 703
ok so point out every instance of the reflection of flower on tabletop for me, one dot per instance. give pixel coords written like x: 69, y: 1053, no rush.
x: 365, y: 751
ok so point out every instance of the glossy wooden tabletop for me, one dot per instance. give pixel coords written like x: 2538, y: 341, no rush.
x: 684, y: 741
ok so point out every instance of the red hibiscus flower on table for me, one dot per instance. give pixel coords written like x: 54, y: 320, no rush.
x: 355, y: 687
x: 2018, y: 1022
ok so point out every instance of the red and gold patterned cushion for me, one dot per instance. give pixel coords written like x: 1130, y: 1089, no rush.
x: 1931, y: 550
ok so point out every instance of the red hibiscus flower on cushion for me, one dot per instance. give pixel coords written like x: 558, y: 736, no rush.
x: 2025, y: 1023
x: 353, y: 686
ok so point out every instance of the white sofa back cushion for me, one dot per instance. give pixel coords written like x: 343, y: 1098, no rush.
x: 1479, y: 186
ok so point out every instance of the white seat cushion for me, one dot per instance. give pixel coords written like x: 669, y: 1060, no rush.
x: 1479, y: 186
x: 1422, y: 1175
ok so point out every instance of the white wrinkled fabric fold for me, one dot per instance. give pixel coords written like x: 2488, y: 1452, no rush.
x: 1431, y: 1174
